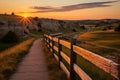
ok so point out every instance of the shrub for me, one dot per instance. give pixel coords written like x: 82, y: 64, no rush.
x: 83, y: 27
x: 74, y: 30
x: 39, y: 30
x: 10, y: 37
x: 117, y: 29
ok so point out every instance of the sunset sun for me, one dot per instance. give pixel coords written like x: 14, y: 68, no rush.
x: 25, y: 16
x: 60, y: 39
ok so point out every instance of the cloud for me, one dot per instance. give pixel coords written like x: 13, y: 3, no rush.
x: 39, y: 9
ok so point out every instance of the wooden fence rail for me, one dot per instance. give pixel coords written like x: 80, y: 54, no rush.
x: 106, y: 65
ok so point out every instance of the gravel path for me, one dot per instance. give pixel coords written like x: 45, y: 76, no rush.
x: 33, y: 66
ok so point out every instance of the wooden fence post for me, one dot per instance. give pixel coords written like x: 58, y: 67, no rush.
x: 46, y: 40
x: 72, y: 60
x: 52, y: 47
x: 59, y: 49
x: 43, y: 37
x: 49, y: 43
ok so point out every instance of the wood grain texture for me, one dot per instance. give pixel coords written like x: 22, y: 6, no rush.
x: 65, y: 69
x: 105, y: 64
x: 55, y: 39
x: 64, y: 56
x: 81, y: 73
x: 55, y: 48
x: 65, y: 43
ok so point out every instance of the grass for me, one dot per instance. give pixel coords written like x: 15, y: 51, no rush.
x: 55, y: 72
x: 10, y: 58
x: 100, y: 42
x: 4, y: 46
x: 105, y: 38
x: 93, y: 71
x: 105, y: 43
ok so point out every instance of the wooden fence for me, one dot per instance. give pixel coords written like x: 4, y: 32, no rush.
x: 106, y: 65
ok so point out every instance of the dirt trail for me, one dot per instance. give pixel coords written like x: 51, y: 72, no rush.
x: 33, y: 66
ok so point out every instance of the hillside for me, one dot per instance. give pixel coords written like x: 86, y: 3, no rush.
x: 105, y: 43
x: 69, y: 27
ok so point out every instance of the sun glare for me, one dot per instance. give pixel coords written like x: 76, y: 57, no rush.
x: 25, y: 20
x: 25, y: 16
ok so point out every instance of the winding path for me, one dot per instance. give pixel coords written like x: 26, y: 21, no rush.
x: 33, y: 66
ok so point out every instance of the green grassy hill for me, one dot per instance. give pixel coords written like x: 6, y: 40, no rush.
x: 106, y: 38
x: 105, y: 43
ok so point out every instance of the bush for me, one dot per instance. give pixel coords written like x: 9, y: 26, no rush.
x: 74, y: 30
x: 10, y: 37
x: 83, y: 27
x: 117, y: 29
x: 39, y: 30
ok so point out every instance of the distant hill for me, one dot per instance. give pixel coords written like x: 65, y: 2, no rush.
x: 13, y: 22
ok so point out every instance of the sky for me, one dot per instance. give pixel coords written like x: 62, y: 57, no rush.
x: 63, y: 9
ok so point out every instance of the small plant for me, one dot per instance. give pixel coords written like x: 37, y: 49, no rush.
x: 74, y: 30
x: 10, y: 58
x: 83, y: 27
x: 10, y: 37
x: 55, y: 72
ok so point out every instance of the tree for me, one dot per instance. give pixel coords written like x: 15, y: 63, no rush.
x: 83, y: 27
x: 74, y: 30
x: 10, y: 37
x: 36, y: 18
x: 39, y: 26
x: 9, y: 24
x: 12, y: 13
x: 5, y: 13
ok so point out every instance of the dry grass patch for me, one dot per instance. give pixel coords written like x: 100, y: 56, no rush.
x: 10, y: 58
x: 105, y: 43
x: 54, y: 72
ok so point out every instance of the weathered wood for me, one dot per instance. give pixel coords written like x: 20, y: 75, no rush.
x: 81, y: 73
x: 55, y: 39
x: 99, y: 61
x: 65, y: 69
x: 115, y: 70
x: 50, y: 44
x: 57, y: 34
x: 55, y: 48
x: 51, y: 49
x: 45, y: 35
x: 59, y: 50
x: 105, y: 64
x: 72, y: 60
x: 56, y: 57
x: 65, y: 43
x: 64, y: 56
x: 47, y: 39
x: 50, y: 37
